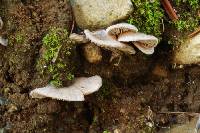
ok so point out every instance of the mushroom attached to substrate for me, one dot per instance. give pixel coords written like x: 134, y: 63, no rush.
x: 101, y: 39
x: 145, y: 43
x: 75, y: 92
x: 117, y: 29
x: 3, y: 41
x: 78, y: 38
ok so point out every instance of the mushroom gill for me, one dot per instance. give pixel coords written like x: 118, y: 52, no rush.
x: 117, y: 29
x: 145, y: 43
x: 101, y: 39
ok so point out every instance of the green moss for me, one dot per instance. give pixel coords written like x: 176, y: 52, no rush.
x: 194, y: 4
x: 147, y: 16
x: 20, y: 38
x: 17, y: 38
x: 53, y: 42
x: 106, y: 131
x: 187, y: 10
x: 57, y: 55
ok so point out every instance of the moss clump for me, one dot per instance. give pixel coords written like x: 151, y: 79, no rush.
x: 188, y: 10
x: 147, y: 16
x: 20, y: 38
x: 57, y: 57
x: 193, y: 4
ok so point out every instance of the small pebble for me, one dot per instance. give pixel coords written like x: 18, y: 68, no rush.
x: 92, y: 53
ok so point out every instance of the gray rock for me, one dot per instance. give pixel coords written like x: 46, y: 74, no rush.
x: 94, y: 14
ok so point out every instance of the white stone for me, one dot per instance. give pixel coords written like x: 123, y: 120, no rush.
x: 188, y: 52
x: 95, y: 14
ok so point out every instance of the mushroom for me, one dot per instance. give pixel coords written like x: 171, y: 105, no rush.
x: 78, y: 38
x: 117, y: 29
x: 101, y: 39
x: 75, y: 92
x: 3, y: 41
x: 145, y: 43
x: 65, y: 94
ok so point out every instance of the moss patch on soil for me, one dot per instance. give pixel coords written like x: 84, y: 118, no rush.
x: 188, y: 15
x: 147, y: 16
x: 57, y: 57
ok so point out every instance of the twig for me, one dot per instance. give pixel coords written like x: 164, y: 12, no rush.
x: 188, y: 113
x: 194, y: 33
x: 73, y: 19
x: 169, y: 9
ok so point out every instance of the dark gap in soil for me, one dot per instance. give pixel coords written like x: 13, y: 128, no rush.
x: 9, y: 77
x: 89, y: 113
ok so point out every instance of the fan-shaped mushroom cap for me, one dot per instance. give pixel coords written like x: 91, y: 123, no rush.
x: 101, y: 39
x: 88, y: 85
x: 65, y: 94
x: 143, y: 42
x: 78, y: 38
x: 3, y: 41
x: 82, y: 86
x: 117, y: 29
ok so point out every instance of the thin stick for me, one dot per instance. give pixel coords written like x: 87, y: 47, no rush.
x: 189, y: 113
x: 194, y: 33
x: 169, y: 9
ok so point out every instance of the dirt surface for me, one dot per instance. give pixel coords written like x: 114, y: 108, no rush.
x: 129, y: 101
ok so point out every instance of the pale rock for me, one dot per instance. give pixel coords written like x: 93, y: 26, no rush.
x: 95, y: 14
x: 188, y: 52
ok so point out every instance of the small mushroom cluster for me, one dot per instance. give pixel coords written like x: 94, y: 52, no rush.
x: 3, y: 41
x: 75, y: 92
x: 117, y: 38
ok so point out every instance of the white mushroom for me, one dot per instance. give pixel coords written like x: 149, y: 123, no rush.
x: 3, y: 41
x: 88, y: 85
x: 145, y: 43
x: 82, y: 86
x: 78, y: 38
x: 101, y: 39
x: 117, y: 29
x: 65, y: 94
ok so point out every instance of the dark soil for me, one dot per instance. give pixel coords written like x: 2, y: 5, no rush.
x: 132, y: 95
